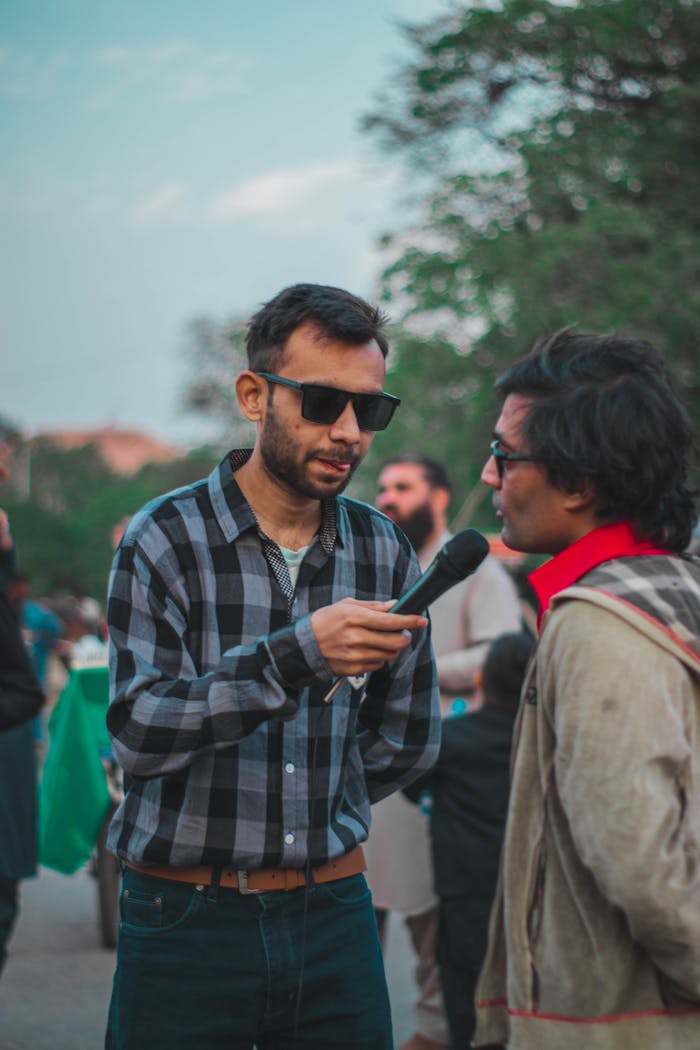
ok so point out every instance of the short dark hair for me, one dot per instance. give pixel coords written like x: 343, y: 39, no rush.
x: 604, y: 409
x: 504, y: 669
x: 335, y: 313
x: 437, y: 476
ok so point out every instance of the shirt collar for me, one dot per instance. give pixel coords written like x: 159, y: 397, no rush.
x: 602, y: 544
x: 235, y: 514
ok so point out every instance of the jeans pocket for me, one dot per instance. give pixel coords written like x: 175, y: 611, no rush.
x: 152, y: 906
x: 352, y: 890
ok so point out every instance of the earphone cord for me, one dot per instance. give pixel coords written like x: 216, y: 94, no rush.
x: 307, y: 872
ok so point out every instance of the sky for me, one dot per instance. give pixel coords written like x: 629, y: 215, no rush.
x: 165, y: 160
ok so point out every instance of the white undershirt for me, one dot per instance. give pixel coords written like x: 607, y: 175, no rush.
x: 294, y: 560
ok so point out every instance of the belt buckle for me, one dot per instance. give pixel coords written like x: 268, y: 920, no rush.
x: 243, y: 886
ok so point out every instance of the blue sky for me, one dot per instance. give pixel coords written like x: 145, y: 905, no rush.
x: 166, y: 160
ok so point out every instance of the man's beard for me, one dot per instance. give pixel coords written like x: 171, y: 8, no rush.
x: 281, y: 457
x: 418, y: 525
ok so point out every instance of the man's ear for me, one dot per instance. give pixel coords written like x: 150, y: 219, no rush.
x: 251, y: 392
x: 440, y: 500
x: 582, y: 498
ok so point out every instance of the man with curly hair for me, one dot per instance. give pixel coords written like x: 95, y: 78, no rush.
x: 595, y: 934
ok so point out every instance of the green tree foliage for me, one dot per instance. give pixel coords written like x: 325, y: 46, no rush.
x: 216, y: 354
x: 557, y: 146
x: 62, y: 520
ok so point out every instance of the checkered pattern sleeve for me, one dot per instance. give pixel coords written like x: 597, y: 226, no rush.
x: 169, y: 707
x: 217, y: 685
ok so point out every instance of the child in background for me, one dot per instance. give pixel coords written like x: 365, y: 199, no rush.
x: 469, y: 786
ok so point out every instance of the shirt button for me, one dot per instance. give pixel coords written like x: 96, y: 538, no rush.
x: 289, y: 838
x: 289, y: 768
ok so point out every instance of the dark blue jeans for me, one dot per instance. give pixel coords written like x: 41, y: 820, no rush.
x: 205, y: 970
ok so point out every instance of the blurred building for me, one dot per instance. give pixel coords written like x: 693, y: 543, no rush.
x: 124, y: 451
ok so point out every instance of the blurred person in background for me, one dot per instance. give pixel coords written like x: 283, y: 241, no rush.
x: 468, y: 790
x: 21, y: 698
x: 42, y: 631
x: 41, y: 626
x: 414, y: 492
x: 81, y: 645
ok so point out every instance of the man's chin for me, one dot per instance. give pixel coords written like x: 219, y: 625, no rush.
x: 522, y: 545
x: 511, y: 542
x: 336, y: 488
x: 326, y: 487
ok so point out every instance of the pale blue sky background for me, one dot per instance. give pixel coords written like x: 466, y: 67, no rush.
x: 166, y: 159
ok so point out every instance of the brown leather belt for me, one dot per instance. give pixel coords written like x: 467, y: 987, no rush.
x: 262, y: 879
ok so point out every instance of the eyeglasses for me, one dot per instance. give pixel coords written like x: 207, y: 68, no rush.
x: 501, y: 458
x: 325, y: 404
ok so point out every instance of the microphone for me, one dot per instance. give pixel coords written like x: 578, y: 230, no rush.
x: 458, y: 558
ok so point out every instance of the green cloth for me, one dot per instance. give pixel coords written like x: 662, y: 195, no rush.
x: 73, y: 795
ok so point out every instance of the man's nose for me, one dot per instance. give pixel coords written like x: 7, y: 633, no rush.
x: 489, y: 474
x: 346, y: 427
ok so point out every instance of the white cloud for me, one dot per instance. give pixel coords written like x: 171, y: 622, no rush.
x: 280, y: 191
x: 164, y: 202
x: 178, y: 69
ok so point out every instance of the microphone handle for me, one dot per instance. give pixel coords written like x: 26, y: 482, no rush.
x: 460, y: 557
x: 435, y: 581
x: 430, y: 585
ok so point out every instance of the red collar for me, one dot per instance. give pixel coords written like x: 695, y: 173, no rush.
x: 602, y: 544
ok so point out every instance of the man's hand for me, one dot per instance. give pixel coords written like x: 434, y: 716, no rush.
x: 357, y: 637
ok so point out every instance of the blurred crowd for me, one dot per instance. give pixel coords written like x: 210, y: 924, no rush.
x: 61, y: 632
x: 41, y: 641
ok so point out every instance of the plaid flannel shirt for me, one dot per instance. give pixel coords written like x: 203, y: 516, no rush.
x: 217, y: 684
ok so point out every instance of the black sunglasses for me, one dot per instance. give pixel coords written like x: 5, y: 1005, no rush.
x: 502, y: 458
x: 325, y: 404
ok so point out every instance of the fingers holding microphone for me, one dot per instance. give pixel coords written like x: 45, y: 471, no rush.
x: 357, y: 637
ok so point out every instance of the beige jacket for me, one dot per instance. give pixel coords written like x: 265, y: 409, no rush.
x: 598, y: 943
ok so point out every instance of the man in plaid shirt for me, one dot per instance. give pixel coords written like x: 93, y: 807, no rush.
x: 235, y: 604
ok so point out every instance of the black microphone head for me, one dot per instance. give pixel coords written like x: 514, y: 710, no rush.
x: 464, y: 553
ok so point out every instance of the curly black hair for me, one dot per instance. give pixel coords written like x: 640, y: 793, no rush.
x: 604, y: 410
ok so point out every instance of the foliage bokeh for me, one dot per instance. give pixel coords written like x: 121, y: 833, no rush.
x: 63, y: 524
x: 557, y: 149
x: 553, y: 150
